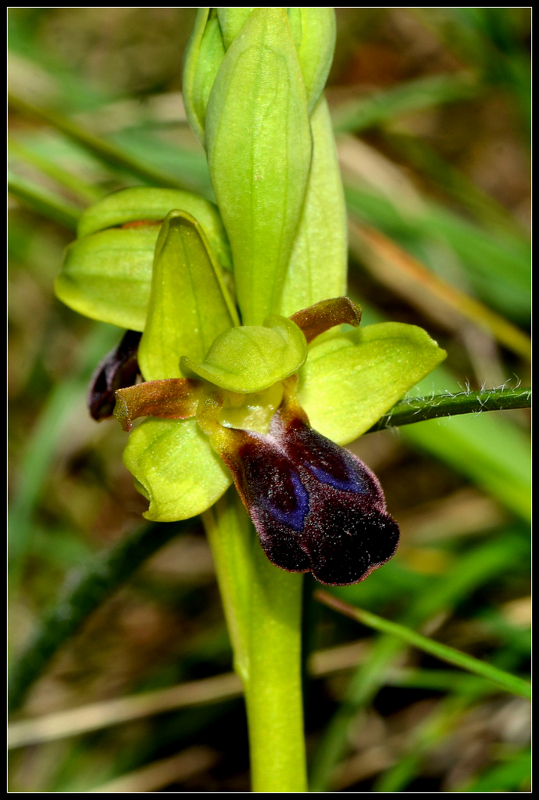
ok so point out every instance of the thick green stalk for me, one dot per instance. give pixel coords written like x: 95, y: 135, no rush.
x: 263, y: 609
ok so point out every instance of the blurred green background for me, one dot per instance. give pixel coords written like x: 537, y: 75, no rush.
x: 432, y: 111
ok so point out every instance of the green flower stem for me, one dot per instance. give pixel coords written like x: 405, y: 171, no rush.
x: 419, y: 409
x: 511, y: 683
x: 263, y: 610
x: 104, y: 576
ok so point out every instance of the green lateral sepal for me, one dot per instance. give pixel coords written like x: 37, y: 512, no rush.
x: 147, y: 204
x: 350, y: 381
x: 107, y: 272
x: 107, y: 275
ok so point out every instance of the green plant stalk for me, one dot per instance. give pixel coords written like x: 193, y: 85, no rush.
x: 419, y: 409
x: 263, y: 610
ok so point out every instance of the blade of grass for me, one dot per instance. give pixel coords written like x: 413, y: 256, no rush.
x: 87, y: 192
x: 496, y: 264
x: 44, y: 201
x: 428, y: 162
x: 383, y: 106
x: 511, y: 776
x: 109, y: 153
x: 160, y: 774
x: 43, y: 443
x: 471, y: 571
x: 97, y: 716
x: 510, y: 683
x: 407, y: 276
x: 440, y: 723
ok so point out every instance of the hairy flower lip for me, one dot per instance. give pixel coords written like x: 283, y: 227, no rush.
x: 315, y: 506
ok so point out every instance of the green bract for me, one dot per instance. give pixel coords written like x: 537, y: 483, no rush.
x: 319, y: 260
x: 313, y: 31
x: 258, y: 140
x: 203, y: 58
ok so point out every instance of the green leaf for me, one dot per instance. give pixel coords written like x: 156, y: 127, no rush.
x: 259, y: 151
x: 142, y: 203
x: 252, y: 358
x: 175, y: 469
x: 203, y: 56
x: 511, y: 683
x: 189, y: 305
x: 349, y: 381
x: 319, y: 260
x: 317, y: 30
x: 107, y: 276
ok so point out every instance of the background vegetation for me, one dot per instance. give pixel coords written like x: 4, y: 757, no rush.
x: 432, y: 107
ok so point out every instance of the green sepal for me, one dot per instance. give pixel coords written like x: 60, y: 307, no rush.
x: 107, y: 272
x: 232, y: 21
x: 203, y: 56
x: 252, y: 358
x: 314, y: 33
x: 259, y: 151
x: 175, y: 468
x: 319, y: 261
x: 153, y: 205
x: 107, y: 276
x: 189, y: 305
x: 350, y: 381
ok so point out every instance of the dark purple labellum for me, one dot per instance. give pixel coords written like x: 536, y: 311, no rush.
x: 117, y: 370
x: 316, y: 507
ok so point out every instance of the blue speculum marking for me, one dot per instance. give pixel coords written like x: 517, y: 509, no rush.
x: 296, y: 496
x: 354, y: 484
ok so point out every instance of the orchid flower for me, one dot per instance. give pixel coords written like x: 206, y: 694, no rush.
x: 241, y: 412
x: 254, y: 370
